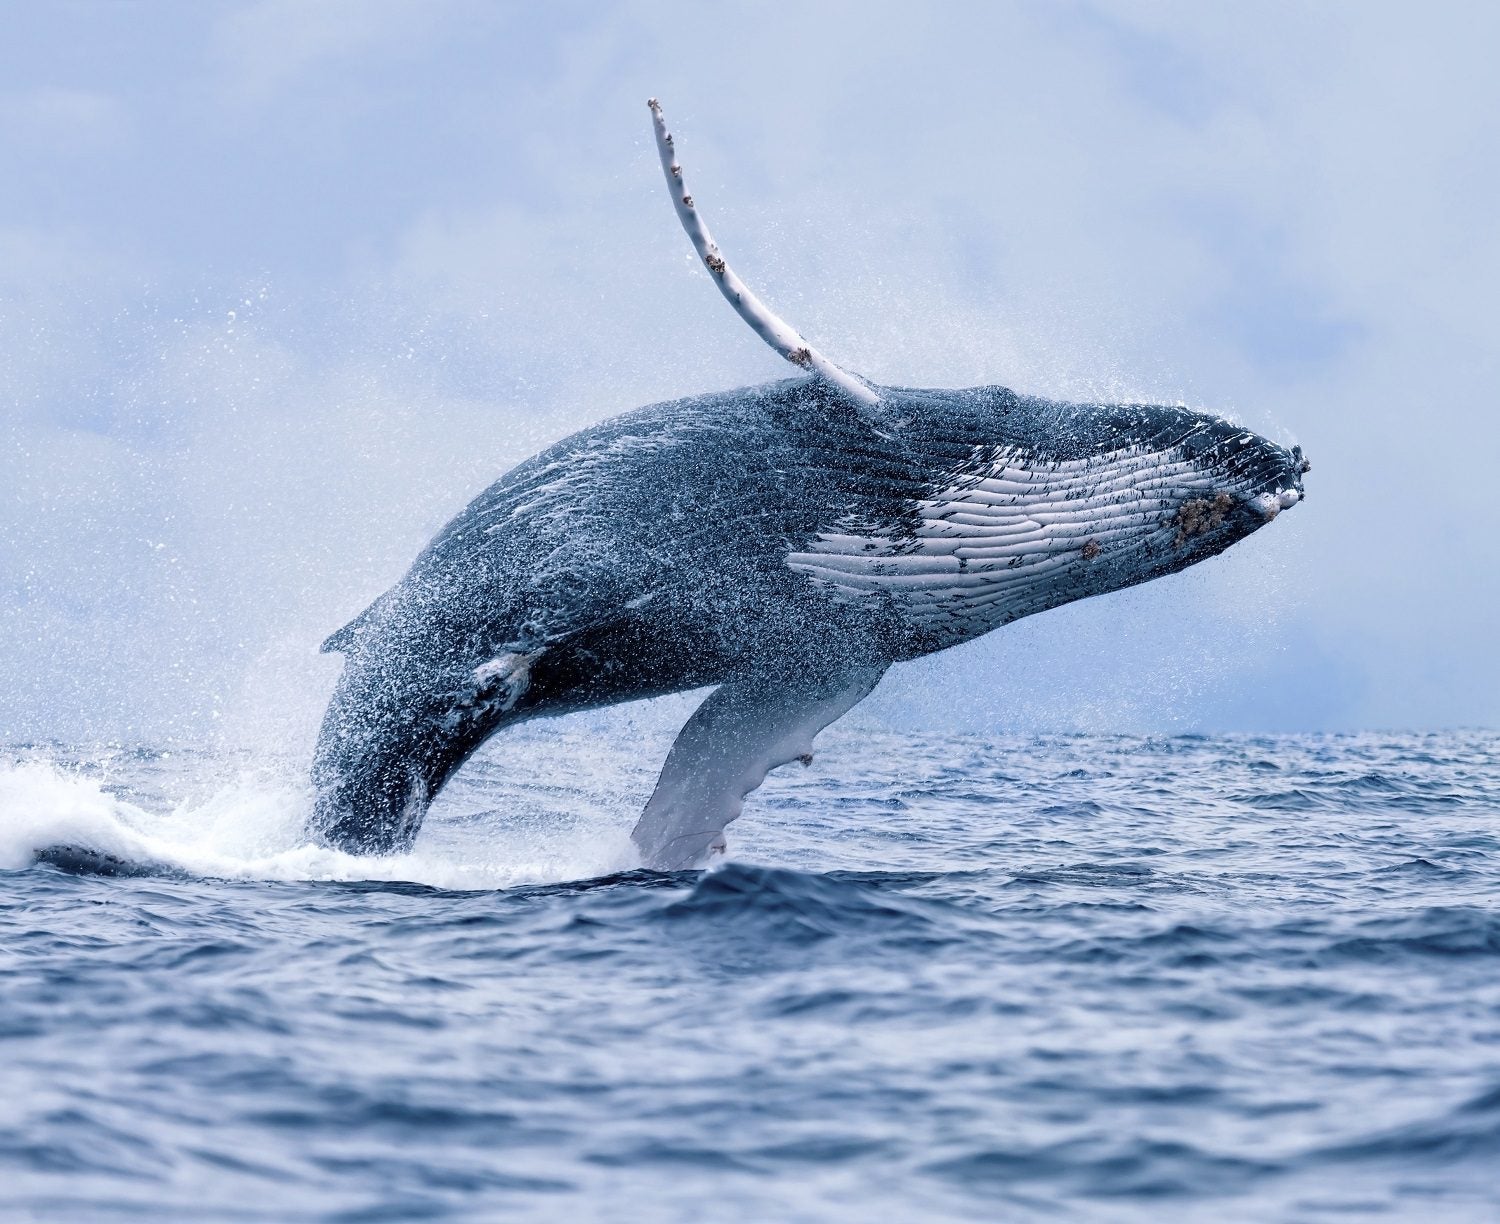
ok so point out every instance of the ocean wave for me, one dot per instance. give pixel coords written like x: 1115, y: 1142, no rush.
x: 798, y: 907
x: 1017, y: 978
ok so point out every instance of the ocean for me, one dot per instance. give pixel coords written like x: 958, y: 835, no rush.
x: 937, y: 977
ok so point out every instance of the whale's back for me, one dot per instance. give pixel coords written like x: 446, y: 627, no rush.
x: 696, y: 501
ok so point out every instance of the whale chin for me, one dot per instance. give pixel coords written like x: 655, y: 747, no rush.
x: 1269, y: 505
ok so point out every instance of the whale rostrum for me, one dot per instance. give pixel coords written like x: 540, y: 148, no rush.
x: 784, y: 543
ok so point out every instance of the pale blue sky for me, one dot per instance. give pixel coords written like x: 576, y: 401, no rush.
x: 282, y: 284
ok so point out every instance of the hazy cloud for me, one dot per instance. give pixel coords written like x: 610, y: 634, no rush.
x: 64, y: 121
x: 344, y: 263
x: 267, y: 45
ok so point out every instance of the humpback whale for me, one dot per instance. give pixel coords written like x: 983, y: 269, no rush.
x: 784, y: 543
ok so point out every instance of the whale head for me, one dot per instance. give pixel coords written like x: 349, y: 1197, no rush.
x: 1027, y: 504
x: 1121, y: 494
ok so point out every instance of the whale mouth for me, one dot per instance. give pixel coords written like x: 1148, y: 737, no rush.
x: 1204, y: 517
x: 1286, y: 491
x: 1278, y: 488
x: 1269, y: 505
x: 1208, y: 522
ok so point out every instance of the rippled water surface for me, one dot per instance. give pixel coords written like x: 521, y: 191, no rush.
x: 938, y: 978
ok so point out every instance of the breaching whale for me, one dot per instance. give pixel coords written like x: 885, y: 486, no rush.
x: 785, y: 543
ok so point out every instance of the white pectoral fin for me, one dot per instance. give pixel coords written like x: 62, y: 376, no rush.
x: 766, y: 324
x: 745, y: 729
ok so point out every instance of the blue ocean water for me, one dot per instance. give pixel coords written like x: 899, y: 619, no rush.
x: 938, y: 977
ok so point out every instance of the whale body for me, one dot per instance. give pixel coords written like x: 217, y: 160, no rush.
x: 784, y: 543
x: 780, y: 542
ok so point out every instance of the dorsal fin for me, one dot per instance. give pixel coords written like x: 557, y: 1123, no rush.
x: 766, y: 324
x: 341, y: 641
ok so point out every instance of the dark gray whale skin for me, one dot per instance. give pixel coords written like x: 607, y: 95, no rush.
x: 649, y: 554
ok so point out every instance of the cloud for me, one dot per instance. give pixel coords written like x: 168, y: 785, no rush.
x: 443, y: 238
x: 64, y: 122
x: 270, y: 45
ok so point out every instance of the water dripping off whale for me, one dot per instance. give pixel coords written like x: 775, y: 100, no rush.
x: 785, y: 543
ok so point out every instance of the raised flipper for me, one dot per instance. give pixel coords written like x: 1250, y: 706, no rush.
x: 766, y: 324
x: 745, y: 729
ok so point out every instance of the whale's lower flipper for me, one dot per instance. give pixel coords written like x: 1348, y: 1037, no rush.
x: 745, y: 729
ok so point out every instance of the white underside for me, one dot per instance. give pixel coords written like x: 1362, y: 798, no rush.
x: 741, y: 732
x: 1009, y: 541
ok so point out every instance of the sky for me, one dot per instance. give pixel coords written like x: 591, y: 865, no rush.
x: 284, y: 283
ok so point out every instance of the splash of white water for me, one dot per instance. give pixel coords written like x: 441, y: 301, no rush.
x: 253, y: 829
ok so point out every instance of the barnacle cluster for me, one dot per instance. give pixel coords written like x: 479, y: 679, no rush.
x: 1200, y: 515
